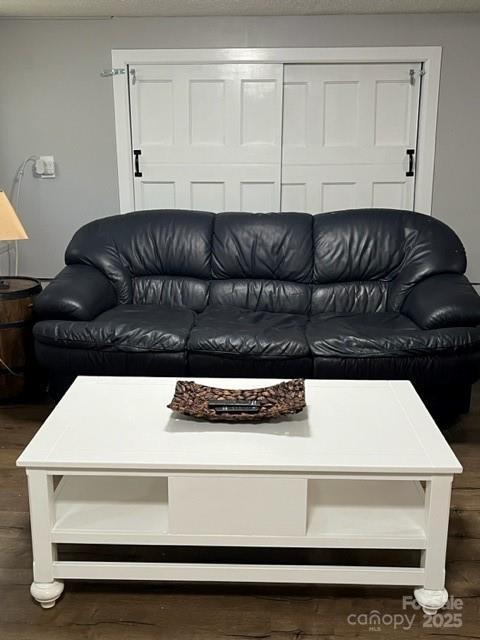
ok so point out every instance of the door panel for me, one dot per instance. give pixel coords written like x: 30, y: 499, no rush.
x: 345, y: 136
x: 156, y: 191
x: 209, y: 135
x: 321, y: 188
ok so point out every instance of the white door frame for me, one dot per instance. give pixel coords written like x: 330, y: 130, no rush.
x: 430, y: 57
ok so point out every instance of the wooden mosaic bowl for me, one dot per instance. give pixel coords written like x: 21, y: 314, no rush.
x: 281, y: 399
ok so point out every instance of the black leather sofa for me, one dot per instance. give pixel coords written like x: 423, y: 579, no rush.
x: 365, y: 293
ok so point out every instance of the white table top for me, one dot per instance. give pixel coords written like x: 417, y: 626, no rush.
x: 349, y: 426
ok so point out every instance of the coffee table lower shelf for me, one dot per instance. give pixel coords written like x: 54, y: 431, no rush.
x: 339, y: 513
x: 350, y: 513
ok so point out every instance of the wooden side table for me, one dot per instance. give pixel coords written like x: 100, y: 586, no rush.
x: 16, y: 353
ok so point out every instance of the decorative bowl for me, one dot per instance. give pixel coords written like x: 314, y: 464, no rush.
x: 285, y: 398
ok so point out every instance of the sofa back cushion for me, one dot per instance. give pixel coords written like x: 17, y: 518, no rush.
x: 350, y: 297
x: 354, y: 261
x: 368, y: 259
x: 262, y: 295
x: 170, y: 291
x: 275, y: 246
x: 130, y: 249
x: 262, y: 261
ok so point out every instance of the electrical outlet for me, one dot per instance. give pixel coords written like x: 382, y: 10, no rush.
x: 45, y: 167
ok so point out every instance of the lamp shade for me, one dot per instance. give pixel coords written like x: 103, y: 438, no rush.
x: 10, y: 226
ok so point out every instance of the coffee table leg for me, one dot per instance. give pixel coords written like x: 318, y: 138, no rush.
x: 44, y: 588
x: 433, y: 595
x: 46, y: 593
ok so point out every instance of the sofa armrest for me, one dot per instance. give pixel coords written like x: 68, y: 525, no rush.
x: 79, y: 292
x: 445, y: 300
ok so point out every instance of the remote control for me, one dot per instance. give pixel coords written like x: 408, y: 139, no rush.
x: 234, y: 406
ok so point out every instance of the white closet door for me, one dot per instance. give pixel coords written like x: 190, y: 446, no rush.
x: 209, y: 136
x: 346, y: 132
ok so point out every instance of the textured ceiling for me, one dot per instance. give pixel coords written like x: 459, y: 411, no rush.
x: 108, y: 8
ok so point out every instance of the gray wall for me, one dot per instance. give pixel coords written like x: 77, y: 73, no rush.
x: 52, y: 101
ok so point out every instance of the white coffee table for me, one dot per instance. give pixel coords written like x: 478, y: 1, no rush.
x: 363, y: 467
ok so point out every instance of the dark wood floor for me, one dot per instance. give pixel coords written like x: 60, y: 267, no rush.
x: 107, y: 611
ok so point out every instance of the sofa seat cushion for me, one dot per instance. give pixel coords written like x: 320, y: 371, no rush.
x: 243, y: 332
x: 127, y: 327
x: 381, y: 335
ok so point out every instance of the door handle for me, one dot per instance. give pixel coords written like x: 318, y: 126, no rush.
x: 410, y: 154
x: 137, y: 153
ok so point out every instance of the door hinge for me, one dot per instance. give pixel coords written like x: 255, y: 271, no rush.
x: 107, y: 73
x: 412, y: 74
